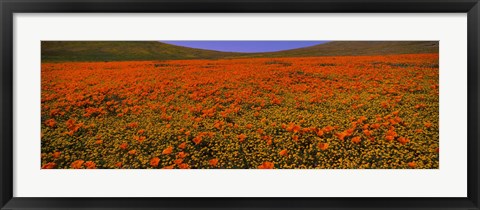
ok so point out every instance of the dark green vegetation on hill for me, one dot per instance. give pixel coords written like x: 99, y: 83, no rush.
x: 341, y: 48
x: 122, y: 50
x: 59, y: 51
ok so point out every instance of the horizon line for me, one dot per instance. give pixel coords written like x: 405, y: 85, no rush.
x: 245, y: 46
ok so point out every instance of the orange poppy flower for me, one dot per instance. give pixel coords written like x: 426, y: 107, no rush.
x: 213, y: 162
x: 218, y: 125
x: 356, y: 139
x: 49, y: 165
x: 169, y: 167
x: 367, y: 133
x: 296, y: 128
x: 50, y: 123
x: 90, y: 165
x: 295, y: 138
x: 341, y: 136
x: 140, y: 139
x: 123, y: 146
x: 242, y: 137
x: 182, y: 145
x: 184, y: 166
x: 77, y: 164
x: 132, y: 125
x: 349, y: 131
x: 56, y: 154
x: 375, y: 126
x: 132, y: 152
x: 391, y: 133
x: 197, y: 140
x: 260, y: 131
x: 428, y: 124
x: 266, y: 165
x: 328, y: 128
x: 412, y: 164
x: 403, y: 140
x: 283, y: 152
x: 181, y: 155
x: 362, y: 118
x: 118, y: 164
x: 167, y: 151
x: 390, y: 138
x: 323, y: 146
x: 290, y: 126
x: 154, y: 162
x: 178, y: 161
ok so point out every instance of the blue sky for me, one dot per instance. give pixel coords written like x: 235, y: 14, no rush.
x: 245, y: 46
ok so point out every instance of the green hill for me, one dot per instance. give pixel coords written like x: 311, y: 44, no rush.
x: 122, y: 50
x: 342, y: 48
x: 58, y: 51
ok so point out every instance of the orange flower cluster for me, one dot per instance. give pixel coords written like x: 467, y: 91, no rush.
x: 307, y: 112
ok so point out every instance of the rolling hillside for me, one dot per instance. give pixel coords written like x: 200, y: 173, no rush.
x: 122, y: 50
x: 58, y: 51
x: 339, y: 48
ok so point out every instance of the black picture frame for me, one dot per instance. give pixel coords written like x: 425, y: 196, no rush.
x: 10, y: 7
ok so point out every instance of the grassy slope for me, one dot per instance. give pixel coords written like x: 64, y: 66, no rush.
x: 122, y: 50
x: 152, y: 50
x: 339, y: 48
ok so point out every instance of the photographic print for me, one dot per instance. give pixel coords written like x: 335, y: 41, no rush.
x: 240, y: 105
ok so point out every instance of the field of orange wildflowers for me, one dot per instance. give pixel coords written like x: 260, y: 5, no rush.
x: 284, y: 113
